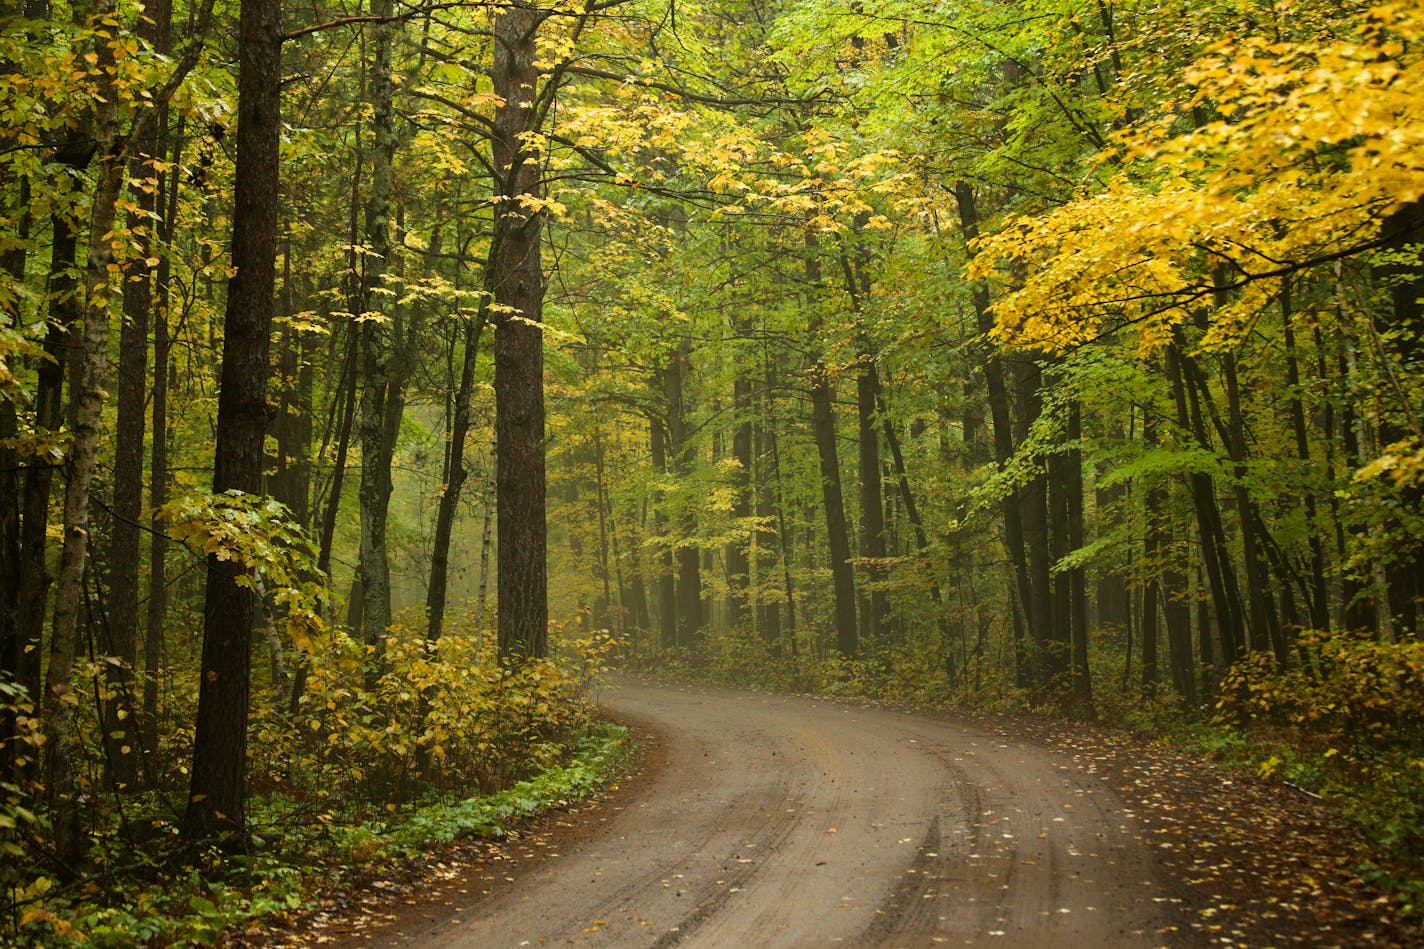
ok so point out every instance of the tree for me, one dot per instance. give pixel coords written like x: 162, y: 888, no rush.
x: 217, y: 801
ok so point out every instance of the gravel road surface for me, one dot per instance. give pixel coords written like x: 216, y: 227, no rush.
x: 790, y: 821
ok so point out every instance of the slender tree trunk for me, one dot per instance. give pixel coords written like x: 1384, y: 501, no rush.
x: 455, y: 475
x: 1319, y: 599
x: 1051, y: 638
x: 120, y: 711
x: 217, y: 800
x: 823, y: 426
x: 837, y: 535
x: 1014, y: 505
x: 1153, y: 554
x: 1076, y: 576
x: 486, y: 549
x: 1224, y: 596
x: 66, y: 309
x: 874, y: 604
x: 688, y: 556
x: 12, y: 657
x: 666, y: 576
x: 158, y: 463
x: 739, y: 566
x: 875, y: 613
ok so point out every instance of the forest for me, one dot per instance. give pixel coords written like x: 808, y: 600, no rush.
x: 373, y: 374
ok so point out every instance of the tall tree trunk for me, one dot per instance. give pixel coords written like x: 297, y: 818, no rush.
x: 1179, y: 625
x: 13, y: 658
x: 120, y: 711
x: 874, y: 603
x: 382, y: 391
x: 12, y: 652
x: 86, y: 411
x: 66, y: 309
x: 155, y: 622
x: 517, y: 277
x: 1001, y: 417
x: 1051, y: 637
x: 217, y: 799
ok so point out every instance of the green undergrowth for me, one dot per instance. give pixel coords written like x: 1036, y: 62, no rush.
x: 165, y: 901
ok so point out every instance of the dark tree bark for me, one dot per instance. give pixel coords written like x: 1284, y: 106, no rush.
x: 385, y: 348
x: 217, y: 800
x: 874, y: 604
x: 1001, y: 418
x: 12, y: 658
x: 1051, y: 638
x: 738, y: 554
x: 517, y: 279
x: 1153, y: 553
x: 875, y: 609
x: 12, y: 645
x: 35, y: 579
x: 122, y: 741
x: 666, y: 576
x: 156, y: 618
x: 679, y: 458
x: 1222, y: 579
x: 1317, y: 589
x: 454, y: 481
x: 823, y: 427
x: 1076, y: 576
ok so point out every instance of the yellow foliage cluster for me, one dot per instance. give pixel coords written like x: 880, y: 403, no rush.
x: 1312, y: 144
x: 1366, y: 688
x: 445, y: 714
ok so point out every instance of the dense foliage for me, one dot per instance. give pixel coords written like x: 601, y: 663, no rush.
x: 1058, y: 353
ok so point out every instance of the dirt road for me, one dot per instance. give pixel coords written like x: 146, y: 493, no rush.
x: 790, y: 821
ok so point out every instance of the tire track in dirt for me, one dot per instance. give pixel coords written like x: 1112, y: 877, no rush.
x: 792, y: 821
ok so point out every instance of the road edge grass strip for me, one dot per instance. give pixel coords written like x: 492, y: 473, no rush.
x: 197, y: 908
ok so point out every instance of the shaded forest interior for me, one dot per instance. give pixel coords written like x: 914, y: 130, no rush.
x: 371, y: 374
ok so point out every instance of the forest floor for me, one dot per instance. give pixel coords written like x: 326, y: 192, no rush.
x: 757, y: 819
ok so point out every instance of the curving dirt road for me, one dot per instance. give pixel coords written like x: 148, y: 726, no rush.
x: 792, y: 821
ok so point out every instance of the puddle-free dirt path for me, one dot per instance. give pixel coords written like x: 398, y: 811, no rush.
x: 789, y: 821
